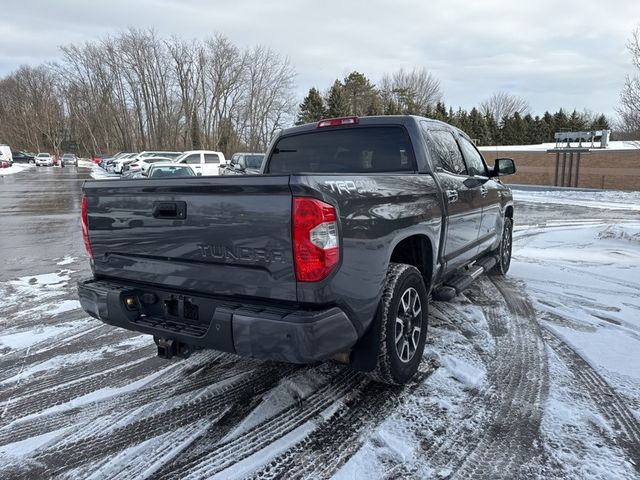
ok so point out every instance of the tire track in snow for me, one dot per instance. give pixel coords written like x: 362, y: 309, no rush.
x: 224, y: 458
x: 50, y: 378
x: 338, y: 437
x: 520, y: 390
x: 186, y: 376
x: 87, y: 339
x: 516, y: 374
x: 58, y: 395
x: 208, y: 403
x: 606, y: 399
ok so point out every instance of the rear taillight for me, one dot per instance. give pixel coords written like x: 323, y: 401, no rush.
x: 337, y: 122
x: 315, y: 239
x: 85, y: 227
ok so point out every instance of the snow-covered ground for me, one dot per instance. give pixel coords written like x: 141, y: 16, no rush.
x: 15, y: 168
x: 536, y: 375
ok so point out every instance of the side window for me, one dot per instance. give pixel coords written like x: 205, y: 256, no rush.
x: 446, y: 152
x: 211, y: 158
x: 193, y: 159
x: 240, y: 161
x: 475, y: 163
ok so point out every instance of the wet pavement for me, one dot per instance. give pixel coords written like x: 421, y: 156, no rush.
x: 40, y: 218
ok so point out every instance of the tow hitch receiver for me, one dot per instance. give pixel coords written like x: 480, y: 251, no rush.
x: 168, y: 348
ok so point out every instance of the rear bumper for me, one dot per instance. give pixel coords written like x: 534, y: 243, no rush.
x: 264, y: 332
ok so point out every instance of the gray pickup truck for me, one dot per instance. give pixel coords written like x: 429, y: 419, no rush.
x: 332, y: 252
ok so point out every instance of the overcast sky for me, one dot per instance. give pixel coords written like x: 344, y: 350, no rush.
x: 554, y: 53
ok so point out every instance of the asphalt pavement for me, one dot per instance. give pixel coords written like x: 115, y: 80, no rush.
x: 40, y: 218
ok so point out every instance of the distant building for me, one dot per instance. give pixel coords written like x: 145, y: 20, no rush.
x: 617, y: 166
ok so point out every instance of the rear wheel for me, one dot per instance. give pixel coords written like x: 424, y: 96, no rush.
x: 504, y: 250
x: 403, y: 319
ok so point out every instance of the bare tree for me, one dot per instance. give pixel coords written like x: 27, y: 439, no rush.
x: 410, y: 92
x: 629, y: 107
x: 504, y: 104
x: 138, y: 91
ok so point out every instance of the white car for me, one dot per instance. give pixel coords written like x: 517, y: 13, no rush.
x: 142, y: 165
x: 203, y: 162
x: 118, y: 165
x: 44, y: 160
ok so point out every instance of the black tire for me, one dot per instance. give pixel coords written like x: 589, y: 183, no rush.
x: 396, y: 365
x: 504, y: 250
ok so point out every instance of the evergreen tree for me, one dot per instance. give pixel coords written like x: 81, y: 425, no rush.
x: 359, y: 93
x: 560, y: 121
x: 600, y: 123
x: 441, y: 112
x: 548, y: 127
x: 530, y: 134
x: 337, y: 105
x: 577, y: 122
x: 493, y: 130
x: 477, y: 128
x: 312, y: 108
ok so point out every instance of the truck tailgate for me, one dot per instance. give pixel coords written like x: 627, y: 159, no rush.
x: 215, y: 235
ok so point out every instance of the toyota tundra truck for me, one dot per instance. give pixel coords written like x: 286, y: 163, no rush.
x: 332, y: 252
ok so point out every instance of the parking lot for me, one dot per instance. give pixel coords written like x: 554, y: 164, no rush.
x: 532, y: 376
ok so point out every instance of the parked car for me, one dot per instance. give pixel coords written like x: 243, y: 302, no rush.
x: 120, y: 164
x: 143, y: 164
x: 44, y: 160
x: 243, y: 164
x: 109, y: 163
x: 333, y: 254
x: 69, y: 159
x: 23, y: 157
x: 5, y: 154
x: 169, y: 169
x: 203, y: 162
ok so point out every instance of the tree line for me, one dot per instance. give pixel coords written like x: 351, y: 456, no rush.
x: 501, y: 119
x: 137, y: 91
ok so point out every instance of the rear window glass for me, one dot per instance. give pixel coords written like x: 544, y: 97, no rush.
x: 352, y: 150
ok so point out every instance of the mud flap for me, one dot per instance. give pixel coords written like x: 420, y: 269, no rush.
x: 364, y: 356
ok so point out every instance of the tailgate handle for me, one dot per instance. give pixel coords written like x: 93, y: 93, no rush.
x: 170, y: 210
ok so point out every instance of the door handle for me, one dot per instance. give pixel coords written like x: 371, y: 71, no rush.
x: 170, y: 210
x: 483, y: 191
x: 452, y: 196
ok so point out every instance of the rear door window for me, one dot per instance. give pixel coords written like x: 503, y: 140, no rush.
x: 348, y: 150
x: 211, y: 158
x: 193, y: 159
x: 446, y: 152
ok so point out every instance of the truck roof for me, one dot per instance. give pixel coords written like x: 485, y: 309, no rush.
x: 367, y: 120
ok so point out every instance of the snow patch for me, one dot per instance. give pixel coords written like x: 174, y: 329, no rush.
x: 15, y: 168
x: 66, y: 260
x: 462, y: 371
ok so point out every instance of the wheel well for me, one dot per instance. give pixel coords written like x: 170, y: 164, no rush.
x: 509, y: 212
x: 417, y: 251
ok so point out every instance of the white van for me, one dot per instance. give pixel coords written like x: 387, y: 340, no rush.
x: 203, y: 162
x: 5, y: 154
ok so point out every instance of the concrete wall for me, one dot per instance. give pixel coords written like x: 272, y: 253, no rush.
x: 608, y: 169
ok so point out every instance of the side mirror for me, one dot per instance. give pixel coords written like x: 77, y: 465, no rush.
x: 504, y: 166
x: 144, y: 174
x: 237, y: 167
